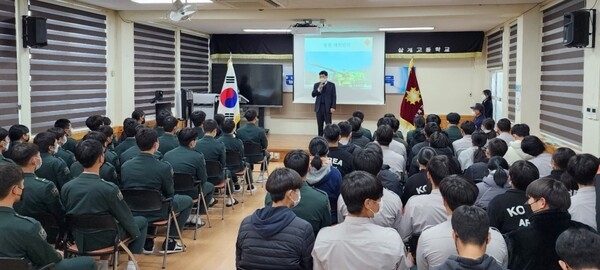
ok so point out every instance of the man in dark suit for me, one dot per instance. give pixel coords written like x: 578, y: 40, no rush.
x: 325, y: 101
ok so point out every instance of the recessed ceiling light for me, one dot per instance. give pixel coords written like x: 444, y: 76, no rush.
x: 267, y: 30
x: 398, y: 29
x: 170, y: 1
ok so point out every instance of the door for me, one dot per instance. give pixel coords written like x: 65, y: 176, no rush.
x: 496, y: 86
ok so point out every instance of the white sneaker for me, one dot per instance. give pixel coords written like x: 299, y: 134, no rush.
x: 229, y: 202
x: 261, y: 178
x: 103, y: 265
x: 131, y: 265
x: 191, y: 221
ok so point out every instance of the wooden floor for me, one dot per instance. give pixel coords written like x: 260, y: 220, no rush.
x: 215, y: 247
x: 279, y: 145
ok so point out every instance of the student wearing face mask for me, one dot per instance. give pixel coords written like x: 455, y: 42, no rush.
x: 53, y: 168
x: 61, y: 137
x: 274, y: 237
x: 325, y: 100
x: 358, y: 243
x: 4, y: 146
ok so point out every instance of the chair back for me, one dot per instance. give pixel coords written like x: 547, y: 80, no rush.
x: 93, y: 231
x: 15, y: 263
x: 253, y: 152
x: 50, y: 225
x: 214, y: 171
x: 233, y: 159
x: 143, y: 200
x: 183, y: 182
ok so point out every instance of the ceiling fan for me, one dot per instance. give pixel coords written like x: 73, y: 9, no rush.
x: 181, y: 11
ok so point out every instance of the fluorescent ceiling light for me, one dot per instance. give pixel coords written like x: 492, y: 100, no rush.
x: 394, y: 29
x: 267, y: 30
x: 170, y: 1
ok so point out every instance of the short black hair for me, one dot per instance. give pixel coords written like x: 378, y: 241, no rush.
x: 441, y: 166
x: 198, y: 118
x: 23, y: 152
x: 210, y: 125
x: 87, y: 152
x: 488, y: 124
x: 583, y: 168
x: 3, y: 133
x: 186, y: 136
x: 250, y: 115
x: 457, y: 191
x: 453, y: 118
x: 345, y: 128
x: 106, y: 121
x: 145, y: 138
x: 419, y: 121
x: 487, y: 92
x: 439, y: 140
x: 130, y: 127
x: 97, y: 136
x: 94, y: 122
x: 520, y: 130
x: 433, y: 118
x: 323, y: 72
x: 384, y: 121
x: 331, y: 133
x: 15, y: 132
x: 355, y: 123
x: 430, y: 128
x: 395, y: 123
x: 533, y: 146
x: 44, y: 141
x: 297, y: 160
x: 522, y: 173
x: 391, y: 115
x: 219, y: 118
x: 10, y: 175
x: 62, y: 123
x: 369, y: 160
x: 107, y: 131
x: 497, y: 147
x: 425, y: 154
x: 59, y: 132
x: 579, y: 248
x: 384, y: 135
x: 280, y: 181
x: 169, y: 123
x: 471, y: 225
x: 504, y: 125
x: 468, y: 127
x: 555, y: 193
x: 358, y: 186
x: 228, y: 125
x: 161, y: 116
x: 137, y: 114
x: 359, y: 114
x: 561, y: 157
x: 318, y: 148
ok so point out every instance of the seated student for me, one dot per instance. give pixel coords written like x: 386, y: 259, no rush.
x: 390, y: 207
x: 168, y: 141
x: 533, y: 146
x: 503, y: 130
x: 215, y: 151
x: 467, y: 128
x: 440, y: 143
x: 251, y: 133
x: 582, y: 168
x: 395, y: 145
x: 471, y: 233
x: 40, y: 195
x: 107, y: 171
x: 322, y: 175
x: 417, y: 184
x: 395, y: 124
x: 578, y: 249
x: 453, y: 130
x: 219, y: 118
x: 429, y: 129
x: 488, y: 128
x: 357, y: 243
x: 389, y: 179
x: 365, y: 131
x: 53, y: 168
x: 419, y: 123
x: 436, y: 243
x: 113, y: 139
x: 134, y: 150
x: 160, y: 121
x: 17, y: 134
x: 495, y: 183
x: 397, y: 163
x: 235, y: 145
x: 94, y: 122
x: 506, y: 211
x: 475, y: 153
x: 24, y: 237
x: 339, y: 158
x: 495, y: 148
x: 479, y: 117
x: 139, y: 116
x: 65, y: 124
x: 433, y: 118
x: 184, y: 159
x: 129, y: 129
x: 89, y: 194
x: 110, y: 155
x: 427, y: 210
x: 274, y: 237
x: 144, y: 171
x: 61, y: 136
x: 314, y: 207
x: 198, y: 118
x: 357, y: 138
x: 345, y: 135
x: 4, y: 146
x: 532, y: 247
x: 514, y: 153
x: 559, y: 162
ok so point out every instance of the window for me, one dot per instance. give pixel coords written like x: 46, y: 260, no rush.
x: 9, y: 113
x: 194, y: 63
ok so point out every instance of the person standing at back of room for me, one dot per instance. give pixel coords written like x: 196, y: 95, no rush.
x: 325, y: 101
x: 488, y: 106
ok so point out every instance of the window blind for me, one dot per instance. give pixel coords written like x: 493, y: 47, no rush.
x: 194, y: 63
x: 494, y: 50
x: 9, y: 101
x: 512, y: 72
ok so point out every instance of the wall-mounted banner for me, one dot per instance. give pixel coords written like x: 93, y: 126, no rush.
x: 434, y: 43
x: 395, y: 80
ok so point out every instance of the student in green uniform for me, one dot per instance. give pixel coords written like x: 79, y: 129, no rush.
x: 160, y: 122
x: 66, y: 125
x: 198, y: 118
x: 129, y: 129
x: 365, y: 131
x: 24, y: 237
x: 94, y: 122
x: 453, y: 130
x: 40, y: 195
x: 4, y: 145
x: 106, y: 122
x: 219, y: 118
x: 215, y: 151
x: 90, y: 194
x: 168, y: 141
x: 61, y: 137
x: 139, y: 116
x: 235, y: 145
x: 107, y: 171
x: 145, y: 171
x: 184, y: 159
x: 251, y: 133
x: 17, y: 134
x: 53, y: 168
x: 110, y: 155
x: 314, y: 206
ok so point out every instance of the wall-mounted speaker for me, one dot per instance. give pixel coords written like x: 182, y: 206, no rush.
x: 34, y: 32
x: 577, y: 26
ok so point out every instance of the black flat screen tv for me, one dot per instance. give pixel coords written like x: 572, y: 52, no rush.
x: 261, y: 84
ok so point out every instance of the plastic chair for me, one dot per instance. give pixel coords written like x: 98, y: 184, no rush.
x: 215, y: 172
x: 235, y: 160
x: 51, y: 224
x: 184, y: 184
x: 21, y: 264
x: 255, y: 155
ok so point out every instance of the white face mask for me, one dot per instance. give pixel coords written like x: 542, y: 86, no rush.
x: 374, y: 213
x: 63, y: 140
x: 296, y: 202
x: 323, y: 80
x: 55, y: 149
x: 38, y: 166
